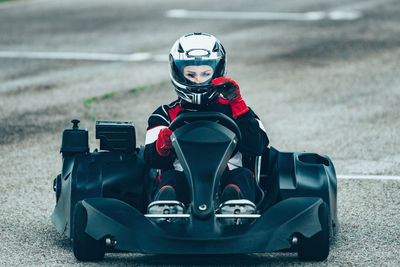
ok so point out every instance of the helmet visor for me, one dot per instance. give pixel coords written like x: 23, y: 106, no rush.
x: 195, y: 73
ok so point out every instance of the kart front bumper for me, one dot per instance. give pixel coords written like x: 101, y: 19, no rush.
x: 134, y: 232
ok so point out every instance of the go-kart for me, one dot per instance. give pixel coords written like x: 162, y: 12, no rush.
x: 102, y: 196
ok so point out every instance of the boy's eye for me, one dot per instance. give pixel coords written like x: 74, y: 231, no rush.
x: 205, y: 74
x: 191, y: 75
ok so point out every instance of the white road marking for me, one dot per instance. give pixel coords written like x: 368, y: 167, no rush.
x: 161, y: 58
x: 83, y: 56
x: 292, y: 16
x: 368, y: 177
x: 76, y: 56
x: 344, y: 15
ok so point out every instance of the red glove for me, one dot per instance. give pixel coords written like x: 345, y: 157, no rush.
x: 230, y: 90
x: 163, y: 143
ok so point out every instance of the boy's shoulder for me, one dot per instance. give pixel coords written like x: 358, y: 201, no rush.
x: 162, y: 115
x: 164, y: 109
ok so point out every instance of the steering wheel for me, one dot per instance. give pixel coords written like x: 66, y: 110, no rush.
x: 217, y: 117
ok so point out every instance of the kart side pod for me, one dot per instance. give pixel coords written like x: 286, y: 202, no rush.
x: 115, y: 172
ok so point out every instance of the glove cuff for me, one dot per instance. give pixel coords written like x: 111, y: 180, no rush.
x: 238, y: 106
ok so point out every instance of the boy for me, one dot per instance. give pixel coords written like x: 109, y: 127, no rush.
x: 197, y: 68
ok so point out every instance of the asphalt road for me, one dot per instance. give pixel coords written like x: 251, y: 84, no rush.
x: 326, y: 85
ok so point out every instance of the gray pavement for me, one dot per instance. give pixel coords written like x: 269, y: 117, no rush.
x: 331, y: 87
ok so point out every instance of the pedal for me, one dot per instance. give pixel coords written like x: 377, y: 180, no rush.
x: 166, y: 210
x: 236, y: 212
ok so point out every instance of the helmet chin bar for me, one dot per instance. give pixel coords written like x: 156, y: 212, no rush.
x: 202, y: 99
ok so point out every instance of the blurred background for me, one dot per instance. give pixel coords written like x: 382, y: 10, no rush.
x: 323, y: 76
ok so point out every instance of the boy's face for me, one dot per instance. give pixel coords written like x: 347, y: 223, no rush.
x: 198, y: 74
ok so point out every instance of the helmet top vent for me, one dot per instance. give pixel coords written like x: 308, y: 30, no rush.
x: 180, y: 48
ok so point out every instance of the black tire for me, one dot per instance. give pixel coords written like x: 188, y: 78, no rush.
x: 316, y: 248
x: 85, y: 247
x: 57, y: 187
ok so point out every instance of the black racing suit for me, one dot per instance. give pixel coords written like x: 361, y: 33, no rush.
x: 254, y: 142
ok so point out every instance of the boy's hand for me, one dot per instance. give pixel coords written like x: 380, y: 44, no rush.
x: 230, y: 90
x: 163, y: 143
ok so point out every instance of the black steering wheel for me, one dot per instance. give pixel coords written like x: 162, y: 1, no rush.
x: 217, y: 117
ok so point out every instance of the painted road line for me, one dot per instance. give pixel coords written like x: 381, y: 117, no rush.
x: 343, y: 15
x: 368, y: 177
x: 76, y: 56
x: 291, y: 16
x: 161, y: 58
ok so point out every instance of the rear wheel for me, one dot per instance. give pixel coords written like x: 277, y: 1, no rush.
x: 57, y: 186
x: 316, y: 248
x: 85, y: 247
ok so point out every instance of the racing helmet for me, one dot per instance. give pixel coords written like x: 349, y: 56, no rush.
x: 196, y: 49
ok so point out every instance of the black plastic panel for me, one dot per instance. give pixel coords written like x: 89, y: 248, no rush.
x: 116, y: 136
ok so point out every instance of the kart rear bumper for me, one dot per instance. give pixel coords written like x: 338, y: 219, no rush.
x: 136, y: 233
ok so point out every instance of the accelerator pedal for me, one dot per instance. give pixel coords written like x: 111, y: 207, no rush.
x: 236, y: 212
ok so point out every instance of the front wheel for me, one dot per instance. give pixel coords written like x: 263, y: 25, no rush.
x: 316, y: 248
x: 85, y: 247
